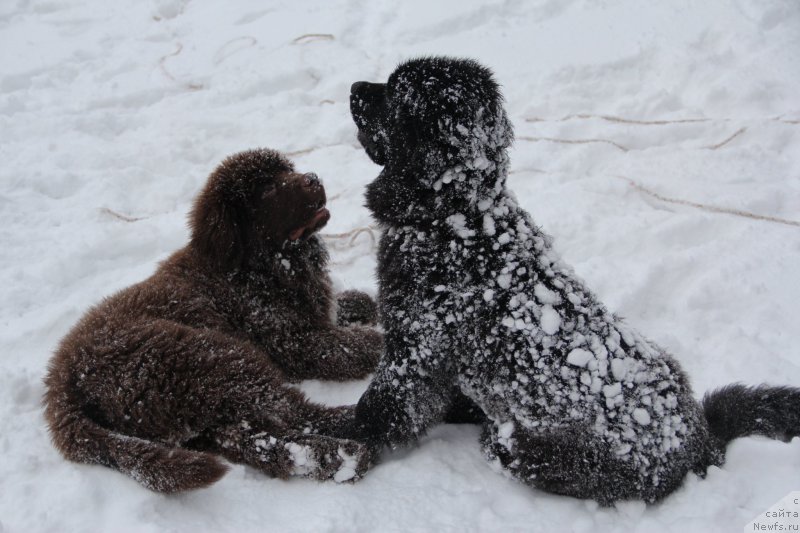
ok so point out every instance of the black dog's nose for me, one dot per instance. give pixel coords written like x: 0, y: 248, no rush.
x: 357, y: 86
x: 310, y: 179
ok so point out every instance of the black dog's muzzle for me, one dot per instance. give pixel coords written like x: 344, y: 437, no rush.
x: 366, y: 103
x: 368, y: 108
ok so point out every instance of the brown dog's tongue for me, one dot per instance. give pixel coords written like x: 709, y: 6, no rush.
x: 320, y: 216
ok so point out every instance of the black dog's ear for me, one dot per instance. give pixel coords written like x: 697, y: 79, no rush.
x: 218, y: 226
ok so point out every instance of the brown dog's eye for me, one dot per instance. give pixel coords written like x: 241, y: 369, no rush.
x: 269, y: 190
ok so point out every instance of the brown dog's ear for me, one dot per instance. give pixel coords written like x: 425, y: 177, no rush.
x: 218, y: 225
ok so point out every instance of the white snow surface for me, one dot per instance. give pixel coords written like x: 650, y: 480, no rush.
x: 113, y: 114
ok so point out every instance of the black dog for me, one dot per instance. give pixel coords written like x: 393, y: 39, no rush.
x: 474, y: 299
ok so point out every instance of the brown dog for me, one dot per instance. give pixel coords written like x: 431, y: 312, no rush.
x: 197, y: 356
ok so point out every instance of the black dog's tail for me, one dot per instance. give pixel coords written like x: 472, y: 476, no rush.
x: 737, y: 411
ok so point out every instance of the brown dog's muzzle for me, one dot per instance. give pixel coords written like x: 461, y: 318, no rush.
x: 315, y: 199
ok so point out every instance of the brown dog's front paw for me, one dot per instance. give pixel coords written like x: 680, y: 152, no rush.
x: 356, y: 307
x: 356, y: 457
x: 326, y: 458
x: 374, y: 342
x: 367, y: 351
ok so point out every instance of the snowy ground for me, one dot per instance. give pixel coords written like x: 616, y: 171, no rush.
x: 112, y: 115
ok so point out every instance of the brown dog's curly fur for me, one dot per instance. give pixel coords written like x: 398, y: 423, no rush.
x: 194, y: 361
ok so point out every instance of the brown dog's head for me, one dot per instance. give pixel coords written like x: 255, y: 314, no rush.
x: 253, y: 201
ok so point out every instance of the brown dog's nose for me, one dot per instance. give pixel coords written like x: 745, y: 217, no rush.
x: 311, y: 180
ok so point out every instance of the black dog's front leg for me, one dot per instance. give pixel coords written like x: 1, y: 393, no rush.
x: 403, y: 400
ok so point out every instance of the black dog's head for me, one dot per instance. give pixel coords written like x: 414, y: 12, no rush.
x: 252, y: 201
x: 436, y: 122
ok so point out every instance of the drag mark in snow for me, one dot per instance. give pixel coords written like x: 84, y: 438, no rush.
x: 311, y: 37
x: 706, y: 207
x: 621, y: 120
x: 162, y: 65
x: 233, y: 46
x: 164, y: 58
x: 726, y: 141
x: 352, y: 235
x: 120, y: 216
x: 315, y: 148
x: 529, y: 169
x: 621, y: 147
x: 575, y: 141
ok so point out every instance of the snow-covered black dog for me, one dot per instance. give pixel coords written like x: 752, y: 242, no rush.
x: 474, y: 300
